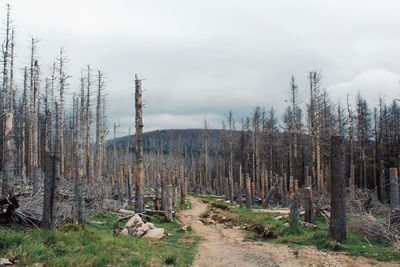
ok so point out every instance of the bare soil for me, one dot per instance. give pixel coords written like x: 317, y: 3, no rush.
x: 222, y: 246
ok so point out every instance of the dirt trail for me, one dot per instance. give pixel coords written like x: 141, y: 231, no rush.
x: 220, y: 246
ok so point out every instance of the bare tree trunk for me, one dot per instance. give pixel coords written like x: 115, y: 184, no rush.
x: 139, y: 170
x: 295, y: 202
x: 9, y: 157
x: 157, y: 198
x: 382, y: 181
x: 99, y: 126
x: 35, y: 172
x: 337, y: 225
x: 62, y: 83
x: 394, y: 189
x: 308, y: 205
x: 183, y: 190
x: 50, y: 187
x: 248, y: 192
x: 87, y: 147
x: 168, y: 211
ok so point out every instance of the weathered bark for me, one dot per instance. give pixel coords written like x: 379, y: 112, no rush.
x: 87, y: 148
x: 62, y: 84
x: 183, y: 190
x: 169, y: 194
x: 337, y: 225
x: 139, y: 170
x: 382, y: 182
x: 157, y: 198
x: 394, y: 189
x: 99, y: 129
x: 78, y: 191
x: 308, y: 205
x: 9, y: 157
x: 50, y: 187
x: 248, y: 192
x: 294, y: 202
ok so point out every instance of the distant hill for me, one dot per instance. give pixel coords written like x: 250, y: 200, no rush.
x: 173, y: 139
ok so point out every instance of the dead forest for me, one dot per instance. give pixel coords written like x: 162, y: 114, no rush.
x: 59, y: 154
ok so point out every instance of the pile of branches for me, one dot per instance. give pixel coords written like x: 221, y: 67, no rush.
x: 365, y: 201
x: 363, y: 208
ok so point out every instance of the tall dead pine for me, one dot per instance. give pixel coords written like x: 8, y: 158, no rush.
x: 139, y: 170
x: 337, y: 225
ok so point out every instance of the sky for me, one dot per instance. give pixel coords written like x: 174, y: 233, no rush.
x: 200, y: 59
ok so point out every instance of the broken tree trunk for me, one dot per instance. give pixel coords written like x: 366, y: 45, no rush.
x: 9, y: 157
x: 169, y: 195
x: 183, y: 191
x: 308, y: 205
x: 157, y: 199
x: 337, y: 225
x: 50, y: 184
x: 394, y: 189
x: 139, y: 170
x: 294, y: 202
x: 248, y: 192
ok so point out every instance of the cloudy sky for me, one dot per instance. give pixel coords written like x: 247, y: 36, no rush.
x: 200, y: 59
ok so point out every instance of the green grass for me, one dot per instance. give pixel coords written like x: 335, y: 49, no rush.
x: 355, y: 245
x: 95, y: 245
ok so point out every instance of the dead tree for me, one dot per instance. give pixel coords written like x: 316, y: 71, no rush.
x: 87, y: 118
x: 295, y: 202
x: 139, y: 170
x: 34, y: 123
x: 5, y: 82
x: 337, y: 225
x: 50, y: 191
x: 157, y: 198
x: 9, y: 157
x: 62, y: 84
x: 394, y: 189
x: 308, y: 205
x: 99, y: 128
x: 248, y: 192
x: 169, y: 195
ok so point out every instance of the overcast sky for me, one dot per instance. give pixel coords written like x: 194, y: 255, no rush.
x: 200, y: 59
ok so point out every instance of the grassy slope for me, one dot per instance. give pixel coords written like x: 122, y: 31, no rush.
x: 356, y: 245
x: 95, y: 245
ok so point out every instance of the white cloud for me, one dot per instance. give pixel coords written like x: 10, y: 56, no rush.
x: 371, y: 84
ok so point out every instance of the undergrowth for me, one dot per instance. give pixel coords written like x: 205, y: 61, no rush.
x: 95, y: 245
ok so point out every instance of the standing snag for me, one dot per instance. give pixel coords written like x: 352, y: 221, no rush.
x: 139, y: 170
x: 394, y: 189
x: 337, y: 224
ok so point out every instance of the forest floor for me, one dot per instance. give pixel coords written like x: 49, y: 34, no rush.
x: 221, y: 245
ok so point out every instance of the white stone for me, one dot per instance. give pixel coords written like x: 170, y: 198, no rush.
x: 151, y: 226
x: 156, y: 233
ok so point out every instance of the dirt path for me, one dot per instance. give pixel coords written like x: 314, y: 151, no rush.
x: 220, y: 246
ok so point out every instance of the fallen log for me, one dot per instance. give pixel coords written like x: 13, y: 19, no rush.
x: 97, y: 222
x: 313, y: 226
x: 124, y: 211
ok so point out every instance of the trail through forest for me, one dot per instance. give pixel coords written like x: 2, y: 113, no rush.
x: 220, y: 246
